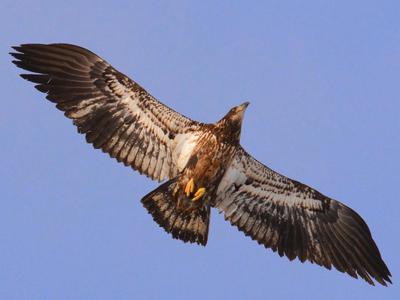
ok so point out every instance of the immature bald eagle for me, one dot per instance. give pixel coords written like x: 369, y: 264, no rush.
x: 204, y: 164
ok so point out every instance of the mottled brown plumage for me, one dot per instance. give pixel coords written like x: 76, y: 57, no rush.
x: 215, y: 149
x: 204, y: 166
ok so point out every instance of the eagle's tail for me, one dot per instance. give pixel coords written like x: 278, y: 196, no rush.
x: 188, y: 226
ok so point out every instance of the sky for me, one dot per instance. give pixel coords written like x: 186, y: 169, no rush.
x: 323, y: 81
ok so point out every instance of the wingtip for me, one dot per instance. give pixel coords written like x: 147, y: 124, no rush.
x: 16, y: 47
x: 16, y: 55
x: 16, y: 62
x: 28, y: 45
x: 24, y: 47
x: 24, y: 76
x: 383, y: 280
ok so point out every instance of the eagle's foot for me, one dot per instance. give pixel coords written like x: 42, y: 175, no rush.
x: 200, y: 192
x: 189, y: 188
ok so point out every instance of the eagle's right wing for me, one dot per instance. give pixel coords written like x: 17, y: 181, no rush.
x: 297, y: 221
x: 114, y: 112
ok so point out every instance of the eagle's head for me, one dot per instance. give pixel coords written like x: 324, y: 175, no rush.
x: 231, y: 124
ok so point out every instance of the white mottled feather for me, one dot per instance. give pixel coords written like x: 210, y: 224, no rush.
x: 183, y: 145
x: 263, y: 184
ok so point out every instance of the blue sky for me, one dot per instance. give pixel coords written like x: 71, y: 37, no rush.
x: 323, y: 81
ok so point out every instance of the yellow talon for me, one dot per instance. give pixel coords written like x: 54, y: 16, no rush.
x: 189, y: 188
x: 200, y: 192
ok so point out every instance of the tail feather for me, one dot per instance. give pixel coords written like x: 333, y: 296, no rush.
x: 188, y: 226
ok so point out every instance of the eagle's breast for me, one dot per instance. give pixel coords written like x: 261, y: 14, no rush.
x: 208, y: 161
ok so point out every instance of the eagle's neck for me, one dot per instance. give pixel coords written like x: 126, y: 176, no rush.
x: 229, y: 127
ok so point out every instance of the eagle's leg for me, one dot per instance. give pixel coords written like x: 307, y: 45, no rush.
x: 189, y: 189
x: 200, y: 192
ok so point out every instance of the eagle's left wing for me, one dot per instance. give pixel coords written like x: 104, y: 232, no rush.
x: 114, y: 112
x: 297, y: 221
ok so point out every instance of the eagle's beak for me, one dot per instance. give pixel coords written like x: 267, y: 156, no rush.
x: 243, y: 106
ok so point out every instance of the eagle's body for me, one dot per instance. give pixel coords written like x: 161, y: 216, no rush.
x: 204, y: 166
x: 214, y: 151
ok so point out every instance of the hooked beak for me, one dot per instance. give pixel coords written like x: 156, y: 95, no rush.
x: 243, y: 106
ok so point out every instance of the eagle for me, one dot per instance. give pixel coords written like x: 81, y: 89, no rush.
x: 201, y: 166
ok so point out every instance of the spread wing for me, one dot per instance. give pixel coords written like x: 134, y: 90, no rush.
x: 114, y: 112
x: 297, y: 221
